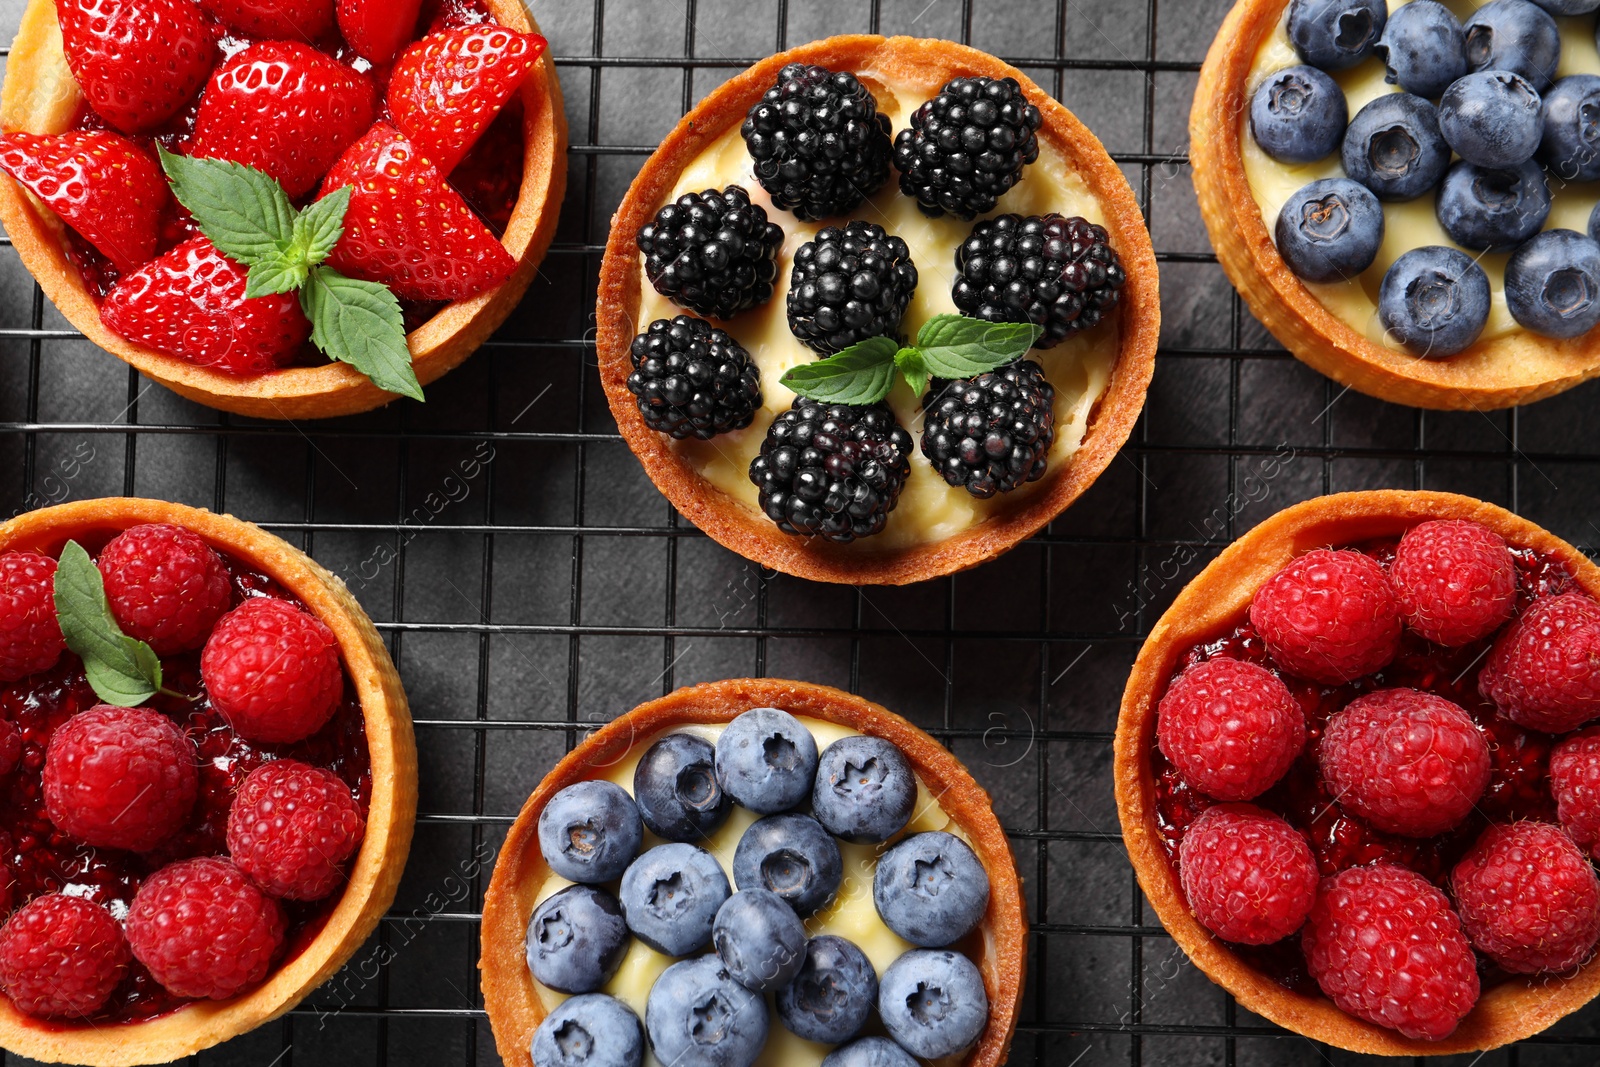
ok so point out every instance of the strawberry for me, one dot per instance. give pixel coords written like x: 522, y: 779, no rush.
x: 378, y: 28
x: 279, y: 20
x: 285, y: 109
x: 447, y: 88
x: 138, y: 61
x: 490, y: 176
x: 406, y: 227
x: 100, y: 184
x: 190, y: 303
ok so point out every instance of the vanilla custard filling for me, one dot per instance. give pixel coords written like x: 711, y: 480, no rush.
x: 1407, y: 224
x: 929, y: 509
x: 852, y: 914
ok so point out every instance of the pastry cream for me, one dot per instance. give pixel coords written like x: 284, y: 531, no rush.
x: 929, y: 509
x: 1412, y: 223
x: 852, y: 915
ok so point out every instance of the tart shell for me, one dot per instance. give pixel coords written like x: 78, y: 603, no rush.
x: 1215, y: 601
x: 41, y: 96
x: 922, y: 65
x: 512, y: 1002
x: 378, y: 865
x: 1518, y: 368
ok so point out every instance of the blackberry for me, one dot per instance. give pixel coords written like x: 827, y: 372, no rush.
x: 693, y: 380
x: 1057, y: 272
x: 848, y: 285
x: 991, y: 433
x: 713, y: 253
x: 819, y: 144
x: 832, y: 470
x: 967, y: 146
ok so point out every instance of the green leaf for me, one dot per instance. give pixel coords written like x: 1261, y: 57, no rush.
x: 318, y: 228
x: 860, y: 374
x: 360, y: 323
x: 276, y: 273
x: 241, y: 210
x: 954, y: 346
x: 913, y: 370
x: 121, y: 670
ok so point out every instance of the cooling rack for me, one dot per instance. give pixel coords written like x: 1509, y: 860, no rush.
x: 532, y: 583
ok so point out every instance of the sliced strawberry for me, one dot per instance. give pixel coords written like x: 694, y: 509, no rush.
x: 285, y: 109
x: 407, y: 228
x: 100, y: 184
x: 280, y: 20
x: 448, y: 87
x: 138, y: 61
x: 378, y: 28
x: 190, y: 303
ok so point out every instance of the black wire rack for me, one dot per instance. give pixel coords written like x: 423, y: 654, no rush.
x: 532, y: 583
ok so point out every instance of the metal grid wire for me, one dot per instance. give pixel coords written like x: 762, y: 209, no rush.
x: 531, y: 582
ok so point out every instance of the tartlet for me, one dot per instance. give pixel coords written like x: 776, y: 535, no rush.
x: 1211, y: 604
x: 40, y: 95
x: 513, y: 1004
x: 923, y: 66
x: 375, y: 871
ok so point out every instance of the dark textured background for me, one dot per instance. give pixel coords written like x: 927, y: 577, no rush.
x: 558, y: 589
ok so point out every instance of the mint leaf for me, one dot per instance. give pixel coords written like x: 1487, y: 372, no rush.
x: 121, y: 670
x: 860, y: 374
x: 913, y: 370
x: 318, y: 228
x: 954, y: 346
x: 278, y: 272
x: 360, y: 323
x: 240, y: 210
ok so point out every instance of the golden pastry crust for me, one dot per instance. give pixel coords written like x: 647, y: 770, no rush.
x: 922, y: 65
x: 1212, y: 604
x: 376, y: 871
x: 1499, y: 372
x: 40, y: 96
x: 508, y: 992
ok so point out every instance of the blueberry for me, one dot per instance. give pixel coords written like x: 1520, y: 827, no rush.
x: 675, y: 785
x: 1569, y: 7
x: 869, y: 1052
x: 1330, y: 230
x: 590, y: 832
x: 576, y: 939
x: 1434, y: 300
x: 670, y: 896
x: 832, y: 996
x: 1393, y: 146
x: 865, y: 791
x: 931, y: 889
x: 1490, y: 208
x: 1594, y: 223
x: 1298, y: 115
x: 697, y: 1014
x: 766, y: 760
x: 1336, y: 34
x: 592, y: 1030
x: 1570, y: 145
x: 1553, y: 283
x: 760, y: 940
x: 793, y: 856
x: 1514, y: 35
x: 932, y: 1002
x: 1492, y: 118
x: 1421, y: 48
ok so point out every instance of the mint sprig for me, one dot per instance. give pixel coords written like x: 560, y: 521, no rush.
x: 947, y: 346
x: 122, y: 670
x: 248, y: 217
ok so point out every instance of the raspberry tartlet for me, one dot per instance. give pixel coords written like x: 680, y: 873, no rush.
x: 449, y: 129
x: 851, y: 870
x: 1419, y: 879
x: 855, y: 203
x: 172, y: 878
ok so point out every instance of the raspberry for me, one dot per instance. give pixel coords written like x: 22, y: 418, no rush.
x: 203, y: 929
x: 1230, y: 727
x: 120, y: 778
x: 291, y: 827
x: 10, y: 747
x: 1528, y: 898
x: 1544, y: 671
x: 1408, y: 762
x: 1575, y: 783
x: 272, y: 671
x: 1248, y: 875
x: 30, y: 639
x: 166, y: 586
x: 1330, y: 616
x: 8, y: 887
x: 61, y: 957
x: 1456, y: 581
x: 1384, y: 945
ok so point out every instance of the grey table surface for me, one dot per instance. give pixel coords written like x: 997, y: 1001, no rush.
x: 555, y: 588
